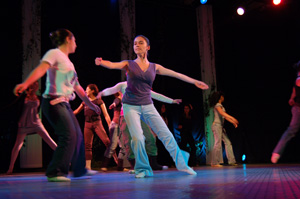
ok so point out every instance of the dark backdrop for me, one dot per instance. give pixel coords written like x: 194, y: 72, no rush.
x: 254, y: 55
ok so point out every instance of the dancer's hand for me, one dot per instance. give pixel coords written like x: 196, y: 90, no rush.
x: 201, y: 85
x: 98, y: 61
x: 291, y: 102
x: 235, y: 125
x: 177, y: 101
x: 235, y: 122
x: 113, y: 105
x: 20, y: 88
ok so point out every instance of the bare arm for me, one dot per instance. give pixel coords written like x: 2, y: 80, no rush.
x: 81, y: 93
x: 36, y: 74
x: 228, y: 117
x: 79, y: 109
x: 167, y: 72
x: 111, y: 65
x: 105, y: 114
x: 115, y: 103
x: 293, y: 95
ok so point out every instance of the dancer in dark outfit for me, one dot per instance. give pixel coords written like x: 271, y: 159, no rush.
x: 61, y: 82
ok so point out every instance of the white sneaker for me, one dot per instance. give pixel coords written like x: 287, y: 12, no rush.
x: 165, y: 167
x: 58, y: 179
x: 91, y: 172
x: 140, y: 175
x: 189, y: 171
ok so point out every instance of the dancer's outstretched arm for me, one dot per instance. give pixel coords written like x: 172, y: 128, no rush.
x: 35, y: 75
x: 112, y: 90
x: 162, y: 98
x: 167, y: 72
x: 111, y: 65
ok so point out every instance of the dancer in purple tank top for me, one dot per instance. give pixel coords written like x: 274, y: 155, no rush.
x: 138, y: 104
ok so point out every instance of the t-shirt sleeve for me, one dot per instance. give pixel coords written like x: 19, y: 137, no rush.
x: 50, y: 57
x: 100, y: 101
x: 218, y: 105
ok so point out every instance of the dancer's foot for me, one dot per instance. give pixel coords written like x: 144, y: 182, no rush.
x: 232, y: 164
x: 58, y: 179
x: 9, y: 173
x: 131, y: 171
x: 190, y: 171
x: 91, y: 172
x: 275, y: 157
x: 104, y: 169
x: 140, y: 175
x: 125, y: 169
x: 159, y: 167
x: 216, y: 165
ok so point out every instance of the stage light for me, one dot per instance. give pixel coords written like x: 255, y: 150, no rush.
x: 243, y: 157
x: 240, y: 11
x: 203, y: 1
x: 276, y: 2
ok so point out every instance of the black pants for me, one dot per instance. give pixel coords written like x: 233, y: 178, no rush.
x: 70, y: 144
x: 187, y: 138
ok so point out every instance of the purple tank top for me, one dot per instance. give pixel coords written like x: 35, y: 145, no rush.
x: 139, y: 84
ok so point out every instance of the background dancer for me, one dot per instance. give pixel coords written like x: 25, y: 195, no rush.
x: 185, y: 126
x: 93, y: 124
x: 29, y: 123
x: 114, y: 135
x: 216, y: 100
x: 294, y: 126
x: 137, y: 104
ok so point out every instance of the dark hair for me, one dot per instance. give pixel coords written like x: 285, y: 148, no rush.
x: 59, y: 36
x: 215, y: 97
x: 94, y: 88
x: 147, y: 40
x: 296, y: 66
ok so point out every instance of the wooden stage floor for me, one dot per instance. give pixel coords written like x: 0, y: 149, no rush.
x: 244, y: 181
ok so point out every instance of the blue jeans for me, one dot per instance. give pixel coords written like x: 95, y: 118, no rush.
x: 150, y: 142
x: 133, y: 115
x: 290, y: 132
x: 70, y: 144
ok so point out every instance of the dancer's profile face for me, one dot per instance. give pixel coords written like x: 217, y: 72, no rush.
x: 71, y: 41
x: 221, y: 99
x: 89, y: 92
